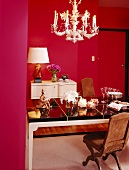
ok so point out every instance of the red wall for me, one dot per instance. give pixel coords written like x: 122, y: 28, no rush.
x: 74, y: 59
x: 111, y: 47
x: 114, y: 17
x: 13, y: 44
x: 68, y: 55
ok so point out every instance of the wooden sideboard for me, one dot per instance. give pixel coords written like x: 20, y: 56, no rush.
x: 52, y: 89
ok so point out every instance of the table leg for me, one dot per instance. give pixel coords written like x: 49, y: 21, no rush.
x: 30, y: 147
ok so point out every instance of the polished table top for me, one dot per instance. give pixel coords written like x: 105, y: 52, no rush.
x: 58, y: 112
x: 58, y: 117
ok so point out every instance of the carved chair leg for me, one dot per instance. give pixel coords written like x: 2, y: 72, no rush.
x: 84, y: 163
x: 97, y: 162
x: 117, y: 160
x: 92, y: 157
x: 105, y: 157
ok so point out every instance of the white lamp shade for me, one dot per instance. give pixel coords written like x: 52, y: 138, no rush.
x: 38, y: 55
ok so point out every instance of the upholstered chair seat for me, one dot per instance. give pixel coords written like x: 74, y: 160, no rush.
x: 96, y: 139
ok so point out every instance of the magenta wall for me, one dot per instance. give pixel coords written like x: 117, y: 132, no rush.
x: 74, y: 59
x: 13, y: 43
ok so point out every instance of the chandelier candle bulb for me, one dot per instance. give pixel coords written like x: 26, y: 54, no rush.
x: 67, y: 19
x: 54, y: 18
x: 87, y: 16
x: 94, y: 21
x: 83, y: 28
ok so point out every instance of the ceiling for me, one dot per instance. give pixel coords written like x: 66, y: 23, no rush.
x: 114, y: 3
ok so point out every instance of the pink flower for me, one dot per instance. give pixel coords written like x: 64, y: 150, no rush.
x: 53, y: 68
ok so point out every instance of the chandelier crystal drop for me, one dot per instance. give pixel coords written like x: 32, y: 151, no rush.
x: 72, y: 22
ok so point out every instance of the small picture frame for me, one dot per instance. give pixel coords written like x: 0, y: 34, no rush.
x: 37, y: 80
x: 65, y: 76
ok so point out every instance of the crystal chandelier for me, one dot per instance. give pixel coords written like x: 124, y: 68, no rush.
x: 72, y: 22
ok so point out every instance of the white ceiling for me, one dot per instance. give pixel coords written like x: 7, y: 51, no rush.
x: 114, y: 3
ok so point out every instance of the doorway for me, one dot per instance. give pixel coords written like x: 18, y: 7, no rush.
x: 113, y: 59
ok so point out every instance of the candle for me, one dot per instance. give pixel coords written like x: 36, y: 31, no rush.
x: 94, y: 21
x: 55, y: 18
x: 86, y: 15
x: 83, y: 18
x: 67, y: 18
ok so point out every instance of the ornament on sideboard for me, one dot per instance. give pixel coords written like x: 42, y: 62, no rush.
x: 37, y: 74
x: 54, y: 69
x: 65, y: 76
x: 43, y: 105
x: 72, y: 22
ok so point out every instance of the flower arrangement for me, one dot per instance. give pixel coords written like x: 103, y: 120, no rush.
x: 70, y: 96
x: 82, y: 102
x: 53, y: 68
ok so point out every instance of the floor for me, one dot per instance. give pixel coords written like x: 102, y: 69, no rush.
x: 67, y: 153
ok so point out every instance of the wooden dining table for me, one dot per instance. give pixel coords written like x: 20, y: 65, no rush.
x: 58, y: 117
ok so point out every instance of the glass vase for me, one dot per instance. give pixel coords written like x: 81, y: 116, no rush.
x: 54, y: 77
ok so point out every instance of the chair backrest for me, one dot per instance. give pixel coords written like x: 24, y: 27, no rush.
x: 118, y: 133
x: 87, y: 87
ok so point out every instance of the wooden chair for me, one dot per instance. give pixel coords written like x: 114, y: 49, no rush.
x: 87, y: 87
x: 102, y: 144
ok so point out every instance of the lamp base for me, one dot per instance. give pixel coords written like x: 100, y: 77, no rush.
x: 37, y: 80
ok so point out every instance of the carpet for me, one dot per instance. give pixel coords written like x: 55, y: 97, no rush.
x: 67, y: 153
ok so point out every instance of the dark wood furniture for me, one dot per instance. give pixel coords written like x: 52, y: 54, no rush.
x: 69, y: 130
x: 56, y: 114
x: 87, y: 87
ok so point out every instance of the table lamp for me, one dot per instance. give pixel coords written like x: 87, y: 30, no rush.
x: 37, y: 56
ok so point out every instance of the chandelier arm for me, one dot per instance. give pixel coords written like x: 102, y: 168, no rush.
x: 89, y: 35
x: 59, y: 33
